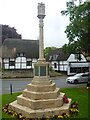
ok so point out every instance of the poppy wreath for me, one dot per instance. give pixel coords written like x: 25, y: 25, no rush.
x: 65, y: 99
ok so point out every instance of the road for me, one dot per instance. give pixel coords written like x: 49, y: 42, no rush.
x: 20, y: 84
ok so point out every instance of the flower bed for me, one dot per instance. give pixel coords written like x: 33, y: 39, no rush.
x: 73, y: 112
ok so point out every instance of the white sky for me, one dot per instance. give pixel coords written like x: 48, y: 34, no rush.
x: 22, y: 14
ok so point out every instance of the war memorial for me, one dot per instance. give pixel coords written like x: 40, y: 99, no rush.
x: 41, y: 98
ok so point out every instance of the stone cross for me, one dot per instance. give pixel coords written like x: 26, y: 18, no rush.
x: 41, y: 98
x: 41, y: 15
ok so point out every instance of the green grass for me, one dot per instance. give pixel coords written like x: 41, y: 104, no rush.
x: 81, y: 95
x: 6, y: 99
x: 76, y: 94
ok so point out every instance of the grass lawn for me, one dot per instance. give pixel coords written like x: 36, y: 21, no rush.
x: 82, y: 96
x: 77, y: 94
x: 8, y: 98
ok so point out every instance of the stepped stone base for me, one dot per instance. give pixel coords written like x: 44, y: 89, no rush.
x: 40, y: 113
x: 40, y: 104
x: 43, y: 95
x: 41, y: 98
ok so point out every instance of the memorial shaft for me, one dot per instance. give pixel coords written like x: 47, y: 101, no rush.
x: 41, y: 41
x: 41, y: 15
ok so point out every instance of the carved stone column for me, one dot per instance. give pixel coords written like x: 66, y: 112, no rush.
x: 41, y: 15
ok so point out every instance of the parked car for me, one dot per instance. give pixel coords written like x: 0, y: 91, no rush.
x: 80, y: 77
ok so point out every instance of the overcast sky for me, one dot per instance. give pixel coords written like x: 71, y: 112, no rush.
x: 22, y: 14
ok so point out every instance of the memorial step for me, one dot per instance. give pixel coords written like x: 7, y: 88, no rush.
x: 41, y: 88
x: 40, y: 113
x: 41, y: 82
x: 40, y: 104
x: 41, y: 95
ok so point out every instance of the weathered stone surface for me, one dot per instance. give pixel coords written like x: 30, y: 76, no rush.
x: 41, y: 88
x: 41, y: 95
x: 30, y: 113
x: 40, y: 99
x: 43, y: 82
x: 41, y: 103
x: 17, y: 73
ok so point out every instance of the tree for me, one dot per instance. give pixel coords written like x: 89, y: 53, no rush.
x: 9, y: 32
x: 73, y: 48
x: 47, y: 50
x: 79, y: 28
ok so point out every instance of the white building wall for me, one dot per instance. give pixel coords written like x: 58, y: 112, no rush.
x: 53, y: 63
x: 73, y: 58
x: 61, y: 66
x: 77, y: 65
x: 72, y: 62
x: 20, y: 63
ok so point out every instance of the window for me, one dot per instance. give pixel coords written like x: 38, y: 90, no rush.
x: 5, y: 60
x: 78, y: 69
x: 78, y: 56
x: 6, y: 66
x: 55, y: 65
x: 73, y: 70
x: 85, y: 75
x: 6, y: 63
x: 20, y: 54
x: 20, y: 63
x: 55, y: 57
x: 12, y: 63
x: 29, y: 63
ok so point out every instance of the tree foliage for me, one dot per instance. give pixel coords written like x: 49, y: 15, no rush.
x: 79, y: 28
x: 9, y: 32
x: 71, y: 48
x: 47, y: 50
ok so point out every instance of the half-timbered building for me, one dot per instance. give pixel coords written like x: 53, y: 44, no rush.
x: 19, y: 53
x: 68, y: 63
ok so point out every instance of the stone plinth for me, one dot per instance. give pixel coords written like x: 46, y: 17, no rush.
x: 40, y: 113
x: 41, y: 70
x: 41, y: 98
